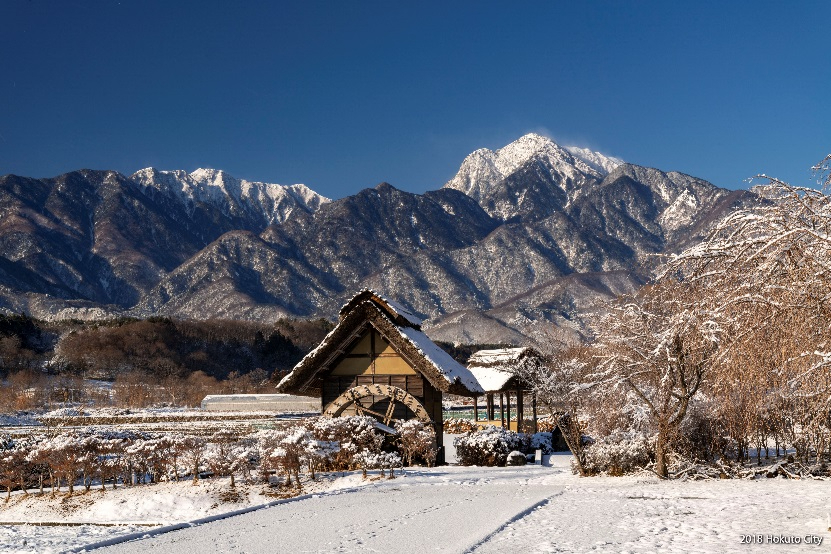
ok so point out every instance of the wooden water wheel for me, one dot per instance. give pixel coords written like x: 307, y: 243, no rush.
x: 365, y: 400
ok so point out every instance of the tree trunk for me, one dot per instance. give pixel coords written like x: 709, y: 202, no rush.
x: 661, y: 455
x: 571, y: 434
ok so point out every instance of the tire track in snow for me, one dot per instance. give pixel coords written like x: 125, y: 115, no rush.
x: 527, y: 511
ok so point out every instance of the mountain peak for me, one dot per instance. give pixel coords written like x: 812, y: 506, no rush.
x: 266, y: 203
x: 483, y: 170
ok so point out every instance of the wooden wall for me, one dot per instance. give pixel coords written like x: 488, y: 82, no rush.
x: 370, y: 360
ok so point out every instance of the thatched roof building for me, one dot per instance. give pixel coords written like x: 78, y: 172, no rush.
x: 378, y: 362
x: 495, y: 369
x: 370, y: 315
x: 496, y: 372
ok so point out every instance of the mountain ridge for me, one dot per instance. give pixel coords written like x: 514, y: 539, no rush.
x: 540, y: 235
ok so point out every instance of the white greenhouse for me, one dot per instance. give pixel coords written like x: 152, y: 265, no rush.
x: 279, y: 403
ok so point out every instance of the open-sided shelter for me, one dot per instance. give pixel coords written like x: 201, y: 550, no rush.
x: 495, y: 370
x: 378, y: 362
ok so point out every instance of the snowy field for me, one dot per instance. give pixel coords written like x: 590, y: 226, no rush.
x: 452, y: 509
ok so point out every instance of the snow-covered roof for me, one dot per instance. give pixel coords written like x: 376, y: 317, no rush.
x: 254, y: 398
x: 491, y: 378
x: 396, y: 310
x: 398, y: 326
x: 500, y: 356
x: 493, y: 369
x: 265, y: 402
x: 449, y: 368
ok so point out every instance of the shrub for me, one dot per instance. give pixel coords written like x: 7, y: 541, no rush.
x: 542, y: 441
x: 417, y: 440
x: 353, y: 434
x: 378, y: 460
x: 489, y: 446
x: 619, y: 453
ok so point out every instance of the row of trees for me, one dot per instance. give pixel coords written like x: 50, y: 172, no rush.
x: 159, y: 347
x: 149, y: 362
x: 726, y: 351
x: 129, y: 459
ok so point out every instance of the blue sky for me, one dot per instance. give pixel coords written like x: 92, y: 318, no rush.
x: 343, y: 95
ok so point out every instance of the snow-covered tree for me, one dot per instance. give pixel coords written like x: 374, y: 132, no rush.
x: 417, y: 439
x: 654, y: 349
x: 766, y: 274
x: 192, y: 451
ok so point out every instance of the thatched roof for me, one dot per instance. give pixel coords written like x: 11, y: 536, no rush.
x: 494, y: 369
x: 400, y: 328
x: 396, y: 312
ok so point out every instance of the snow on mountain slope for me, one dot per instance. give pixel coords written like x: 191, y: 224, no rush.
x: 267, y: 202
x: 682, y: 196
x: 600, y: 162
x: 483, y: 169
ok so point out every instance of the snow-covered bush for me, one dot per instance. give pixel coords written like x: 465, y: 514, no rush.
x: 319, y: 453
x: 701, y: 436
x: 354, y: 434
x: 542, y: 441
x: 489, y: 446
x: 378, y: 460
x: 192, y: 452
x: 14, y: 467
x: 417, y: 440
x: 619, y: 453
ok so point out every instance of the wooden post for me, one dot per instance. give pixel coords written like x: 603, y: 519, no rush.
x: 508, y: 397
x: 476, y: 409
x: 534, y: 408
x: 520, y: 414
x: 502, y: 408
x: 489, y: 407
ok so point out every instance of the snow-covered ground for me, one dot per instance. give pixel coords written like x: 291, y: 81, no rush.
x: 458, y: 509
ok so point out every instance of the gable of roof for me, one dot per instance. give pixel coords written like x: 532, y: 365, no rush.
x: 406, y: 338
x: 395, y: 311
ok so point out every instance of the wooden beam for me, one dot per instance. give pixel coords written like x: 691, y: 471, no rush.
x: 520, y: 414
x: 502, y: 408
x: 534, y: 408
x: 476, y: 408
x: 508, y: 397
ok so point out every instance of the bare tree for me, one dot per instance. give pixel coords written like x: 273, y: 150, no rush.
x: 767, y: 273
x: 659, y: 346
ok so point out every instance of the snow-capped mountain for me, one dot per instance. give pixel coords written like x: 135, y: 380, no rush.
x: 569, y: 168
x: 523, y: 242
x: 601, y: 163
x: 260, y: 203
